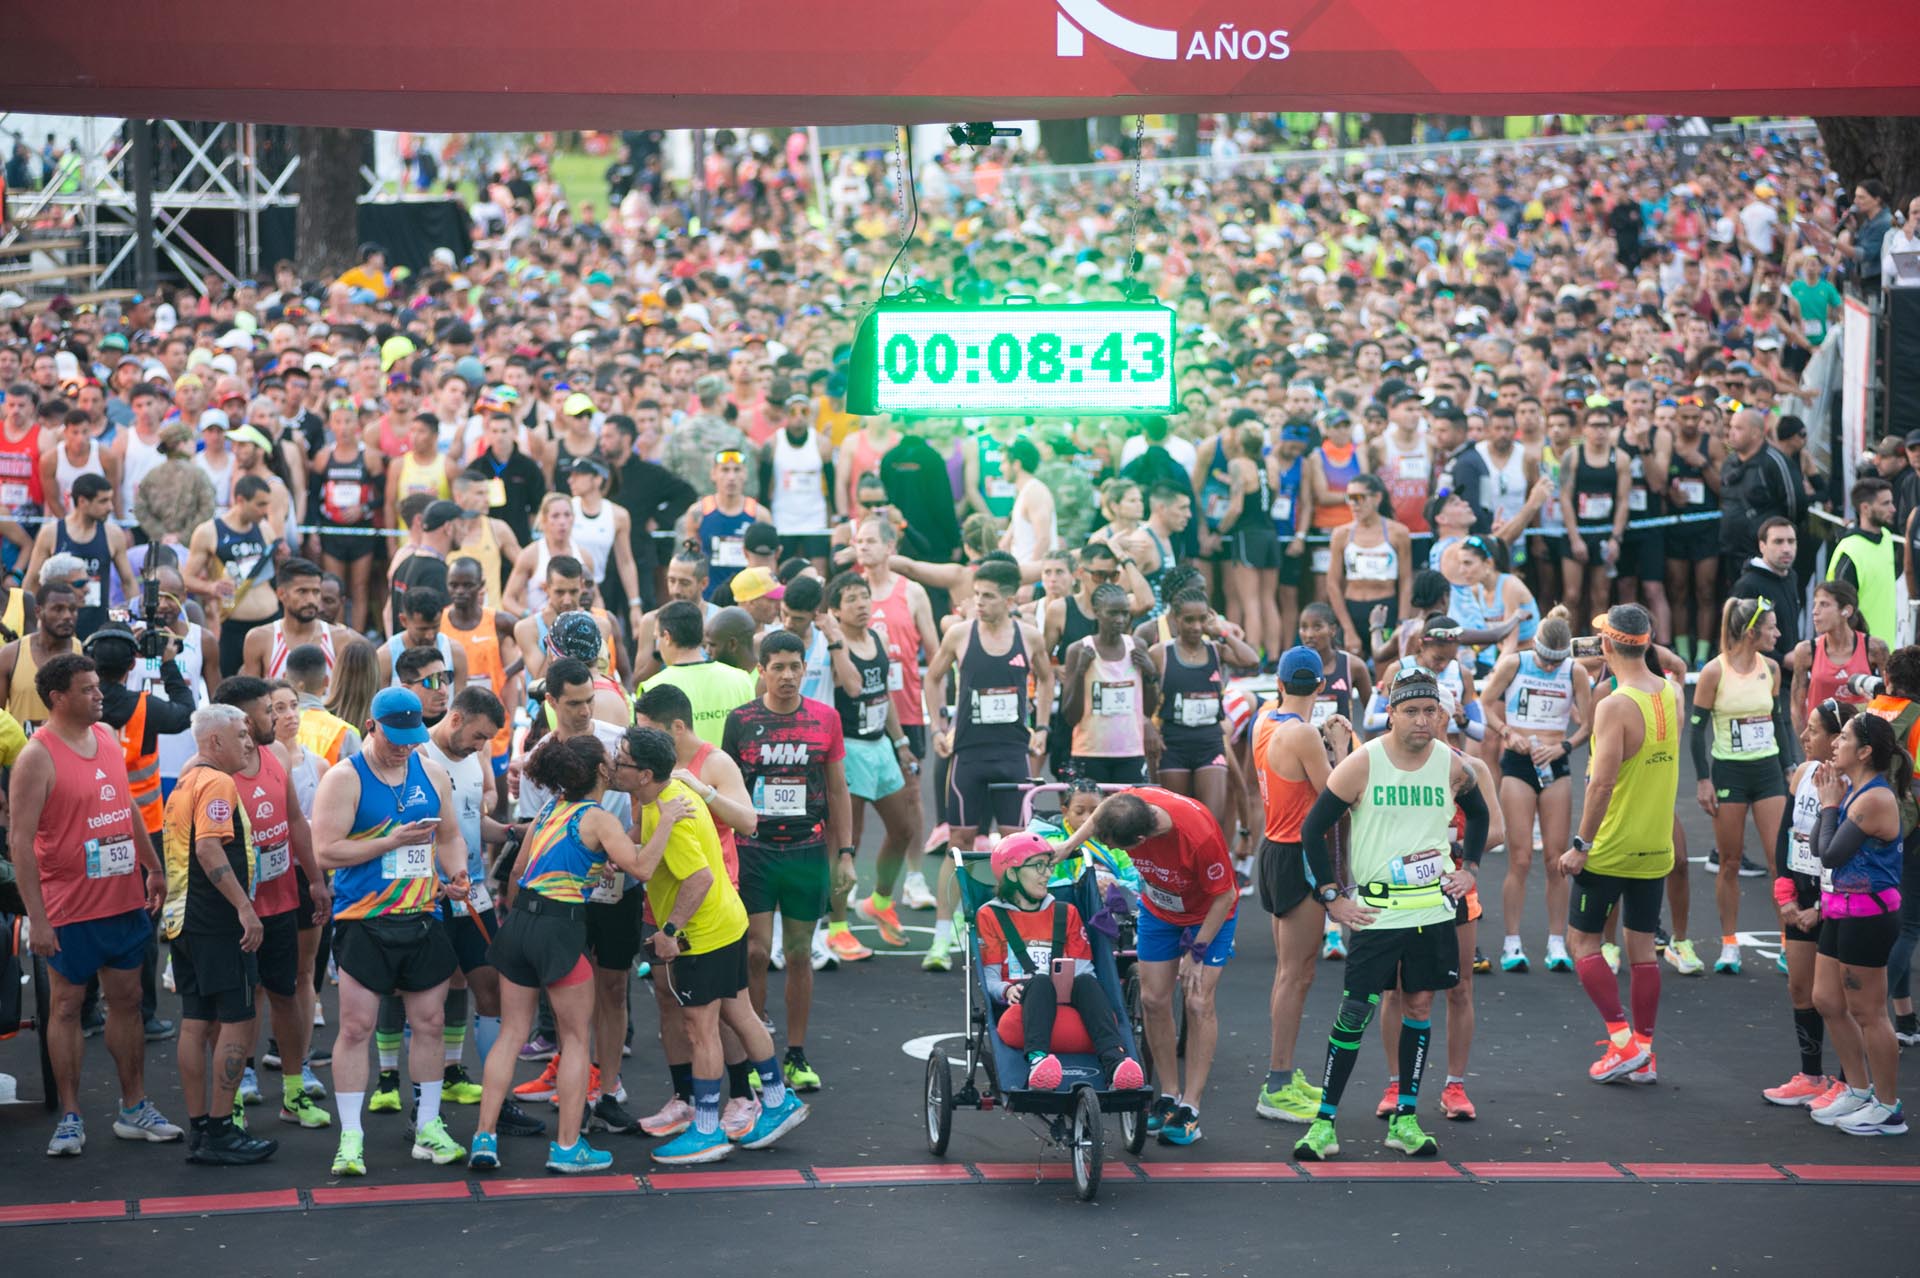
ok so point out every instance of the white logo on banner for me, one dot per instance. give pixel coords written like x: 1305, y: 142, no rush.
x: 1225, y: 43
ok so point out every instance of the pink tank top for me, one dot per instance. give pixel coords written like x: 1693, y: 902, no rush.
x: 893, y: 622
x: 1112, y: 714
x: 1828, y: 680
x: 85, y: 847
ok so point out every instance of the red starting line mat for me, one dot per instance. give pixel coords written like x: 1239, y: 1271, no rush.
x: 429, y: 1193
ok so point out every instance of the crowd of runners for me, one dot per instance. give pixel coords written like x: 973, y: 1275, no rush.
x: 487, y: 637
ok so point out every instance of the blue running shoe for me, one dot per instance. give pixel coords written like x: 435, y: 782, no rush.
x: 1182, y: 1128
x: 1160, y: 1111
x: 484, y: 1153
x: 694, y: 1146
x: 776, y: 1121
x: 582, y: 1157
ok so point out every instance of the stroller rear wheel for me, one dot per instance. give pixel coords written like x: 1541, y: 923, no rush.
x: 939, y: 1103
x: 1089, y: 1144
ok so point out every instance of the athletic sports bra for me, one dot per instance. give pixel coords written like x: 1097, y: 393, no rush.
x: 1379, y: 563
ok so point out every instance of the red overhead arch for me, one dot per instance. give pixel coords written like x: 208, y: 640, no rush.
x: 494, y: 65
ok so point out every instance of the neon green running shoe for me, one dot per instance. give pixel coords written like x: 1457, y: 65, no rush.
x: 351, y: 1158
x: 386, y: 1093
x: 1296, y: 1101
x: 1404, y: 1134
x: 801, y: 1076
x: 457, y: 1088
x: 298, y: 1107
x: 434, y: 1144
x: 1319, y: 1144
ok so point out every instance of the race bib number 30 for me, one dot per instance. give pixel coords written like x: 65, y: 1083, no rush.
x: 1113, y: 698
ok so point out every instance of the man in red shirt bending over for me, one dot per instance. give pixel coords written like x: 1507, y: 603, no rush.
x: 1188, y: 897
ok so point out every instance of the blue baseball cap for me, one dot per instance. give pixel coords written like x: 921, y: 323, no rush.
x: 1300, y: 670
x: 398, y: 712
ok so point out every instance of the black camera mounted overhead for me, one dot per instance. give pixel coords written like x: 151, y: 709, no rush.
x: 980, y: 134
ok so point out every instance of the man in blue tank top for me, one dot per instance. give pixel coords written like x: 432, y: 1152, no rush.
x: 388, y: 828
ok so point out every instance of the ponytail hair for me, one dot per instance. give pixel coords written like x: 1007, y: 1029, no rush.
x: 1846, y: 597
x: 1737, y: 618
x: 1886, y: 754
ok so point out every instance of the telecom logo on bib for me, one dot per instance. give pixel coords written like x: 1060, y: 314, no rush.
x: 1077, y: 19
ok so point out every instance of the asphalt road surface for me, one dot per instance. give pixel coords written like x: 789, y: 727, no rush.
x: 1693, y: 1173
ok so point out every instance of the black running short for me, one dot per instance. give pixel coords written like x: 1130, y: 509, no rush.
x: 699, y: 979
x: 1414, y: 960
x: 1128, y: 771
x: 468, y: 940
x: 540, y: 942
x: 305, y: 913
x: 1281, y: 872
x: 972, y: 803
x: 216, y: 978
x: 1255, y: 546
x: 1643, y: 555
x: 1860, y: 942
x: 1520, y: 767
x: 1594, y: 896
x: 613, y: 930
x: 394, y: 954
x: 1749, y: 780
x: 1190, y: 754
x: 278, y: 957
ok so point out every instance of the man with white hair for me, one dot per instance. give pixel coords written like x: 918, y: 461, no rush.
x: 212, y: 873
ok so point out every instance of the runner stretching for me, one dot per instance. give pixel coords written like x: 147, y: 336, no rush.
x: 1625, y: 846
x: 1401, y: 789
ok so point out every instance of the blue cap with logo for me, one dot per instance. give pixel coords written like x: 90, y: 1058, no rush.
x: 398, y: 712
x: 1301, y: 670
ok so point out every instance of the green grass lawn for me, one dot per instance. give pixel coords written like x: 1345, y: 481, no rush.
x: 583, y: 177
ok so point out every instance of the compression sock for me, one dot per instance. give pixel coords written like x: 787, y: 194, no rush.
x: 738, y: 1072
x: 1643, y: 990
x: 706, y: 1105
x: 1415, y: 1038
x: 387, y: 1031
x: 1683, y: 648
x: 1811, y: 1031
x: 292, y: 1088
x: 943, y: 932
x: 1599, y: 983
x: 682, y: 1081
x: 773, y: 1086
x: 1279, y: 1078
x: 1343, y: 1049
x: 350, y: 1104
x: 486, y: 1032
x: 453, y: 1031
x: 427, y: 1097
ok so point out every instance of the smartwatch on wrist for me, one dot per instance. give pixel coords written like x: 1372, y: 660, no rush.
x: 1581, y: 845
x: 671, y: 931
x: 1326, y: 894
x: 846, y: 852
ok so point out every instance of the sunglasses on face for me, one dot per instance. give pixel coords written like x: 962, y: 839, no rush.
x: 432, y: 682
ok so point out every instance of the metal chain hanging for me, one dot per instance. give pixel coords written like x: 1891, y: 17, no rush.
x: 1128, y: 284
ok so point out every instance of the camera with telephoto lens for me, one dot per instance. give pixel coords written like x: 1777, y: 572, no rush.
x: 153, y: 639
x: 1866, y: 685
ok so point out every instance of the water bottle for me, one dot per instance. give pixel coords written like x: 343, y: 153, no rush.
x: 1540, y: 770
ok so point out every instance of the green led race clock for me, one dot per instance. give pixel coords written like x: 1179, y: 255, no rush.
x: 930, y: 359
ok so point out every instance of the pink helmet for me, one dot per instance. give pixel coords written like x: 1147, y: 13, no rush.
x: 1017, y: 849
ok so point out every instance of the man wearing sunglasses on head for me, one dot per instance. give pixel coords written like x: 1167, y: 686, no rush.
x: 719, y: 522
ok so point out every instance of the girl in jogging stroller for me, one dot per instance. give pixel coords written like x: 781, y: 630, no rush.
x: 1035, y: 956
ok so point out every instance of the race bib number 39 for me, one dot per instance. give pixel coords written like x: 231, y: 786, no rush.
x: 1751, y: 734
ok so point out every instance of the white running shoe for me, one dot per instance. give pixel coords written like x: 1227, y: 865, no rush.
x: 915, y: 894
x: 1874, y: 1119
x: 1847, y: 1102
x: 824, y: 959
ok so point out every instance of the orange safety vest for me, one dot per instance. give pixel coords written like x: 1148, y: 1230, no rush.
x: 1891, y: 708
x: 143, y: 770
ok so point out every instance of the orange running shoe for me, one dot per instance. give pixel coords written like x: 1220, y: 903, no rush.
x: 1454, y: 1103
x: 1801, y: 1089
x: 544, y: 1087
x: 1619, y: 1061
x: 887, y: 920
x: 1832, y: 1094
x: 593, y: 1088
x: 1389, y: 1101
x: 846, y: 947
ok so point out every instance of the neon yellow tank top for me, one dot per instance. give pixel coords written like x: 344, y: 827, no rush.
x: 423, y: 477
x: 1402, y: 838
x: 1635, y: 840
x: 1743, y: 713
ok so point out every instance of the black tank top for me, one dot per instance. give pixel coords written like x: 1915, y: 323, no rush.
x: 993, y: 703
x: 1336, y: 690
x: 343, y: 480
x: 1594, y: 488
x: 1642, y: 501
x: 1076, y: 626
x: 563, y: 462
x: 1254, y: 515
x: 1190, y: 698
x: 1688, y: 474
x: 97, y: 554
x: 864, y: 718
